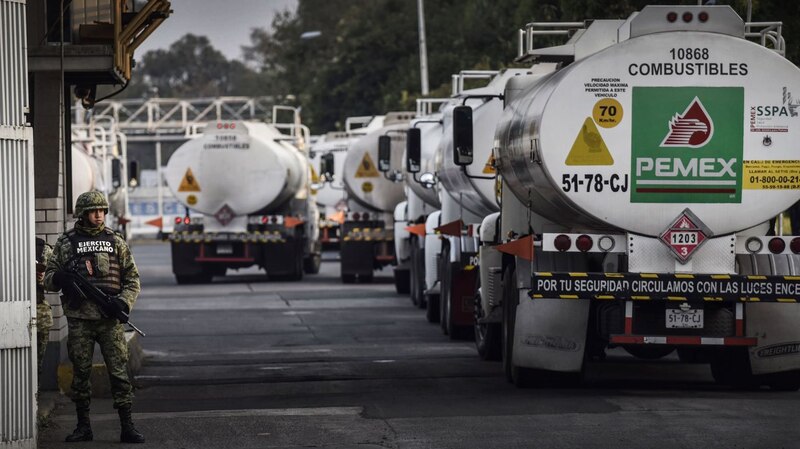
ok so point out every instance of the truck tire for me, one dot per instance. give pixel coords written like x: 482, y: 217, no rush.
x: 784, y: 381
x: 649, y: 352
x: 402, y: 281
x: 183, y: 279
x: 414, y: 284
x: 731, y: 367
x: 488, y: 338
x: 444, y: 295
x: 432, y: 308
x: 297, y: 275
x: 509, y: 316
x: 348, y: 278
x: 312, y: 263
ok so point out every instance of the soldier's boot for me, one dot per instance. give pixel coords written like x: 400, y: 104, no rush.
x: 83, y: 431
x: 129, y: 433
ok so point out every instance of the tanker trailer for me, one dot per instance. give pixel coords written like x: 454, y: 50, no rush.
x: 98, y: 164
x: 467, y: 196
x: 367, y: 232
x: 638, y: 182
x: 421, y: 193
x: 328, y: 155
x: 248, y: 186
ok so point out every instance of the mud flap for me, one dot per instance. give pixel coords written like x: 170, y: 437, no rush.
x: 550, y: 333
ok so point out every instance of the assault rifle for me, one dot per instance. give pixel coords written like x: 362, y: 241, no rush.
x: 107, y: 305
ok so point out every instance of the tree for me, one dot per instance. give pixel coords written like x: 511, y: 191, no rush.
x: 191, y: 67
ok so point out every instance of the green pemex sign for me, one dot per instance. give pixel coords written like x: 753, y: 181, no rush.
x: 687, y: 144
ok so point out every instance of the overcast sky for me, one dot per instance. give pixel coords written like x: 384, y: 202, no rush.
x: 227, y: 24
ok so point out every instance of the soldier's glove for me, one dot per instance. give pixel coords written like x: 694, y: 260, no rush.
x: 60, y: 279
x: 121, y: 304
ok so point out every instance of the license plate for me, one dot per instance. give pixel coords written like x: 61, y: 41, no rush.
x: 689, y: 319
x: 225, y: 249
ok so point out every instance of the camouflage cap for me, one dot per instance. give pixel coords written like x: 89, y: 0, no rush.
x: 90, y: 201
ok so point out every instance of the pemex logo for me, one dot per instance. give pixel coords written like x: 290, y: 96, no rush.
x: 694, y: 128
x: 666, y: 165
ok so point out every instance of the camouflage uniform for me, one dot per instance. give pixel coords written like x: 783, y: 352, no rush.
x: 44, y: 314
x: 104, y: 265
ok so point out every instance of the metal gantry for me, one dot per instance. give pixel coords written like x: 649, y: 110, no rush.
x: 160, y: 117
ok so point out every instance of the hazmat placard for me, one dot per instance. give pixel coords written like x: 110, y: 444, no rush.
x: 589, y: 147
x: 189, y: 182
x: 667, y: 287
x: 489, y: 169
x: 771, y: 175
x: 366, y: 169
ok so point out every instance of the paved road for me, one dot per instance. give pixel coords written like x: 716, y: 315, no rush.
x: 249, y: 363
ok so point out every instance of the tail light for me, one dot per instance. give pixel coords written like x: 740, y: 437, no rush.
x: 356, y: 216
x: 562, y: 242
x: 703, y: 17
x: 776, y: 245
x: 264, y: 219
x: 795, y: 245
x: 754, y: 245
x: 584, y: 243
x: 687, y: 17
x: 672, y: 16
x: 178, y: 220
x: 274, y: 219
x: 186, y: 220
x: 365, y: 216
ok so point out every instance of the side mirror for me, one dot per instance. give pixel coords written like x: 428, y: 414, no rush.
x: 326, y: 166
x: 116, y: 173
x: 428, y: 180
x: 413, y: 150
x: 133, y: 173
x: 384, y: 153
x: 462, y: 135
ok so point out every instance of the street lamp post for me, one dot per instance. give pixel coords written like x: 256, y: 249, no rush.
x: 423, y: 52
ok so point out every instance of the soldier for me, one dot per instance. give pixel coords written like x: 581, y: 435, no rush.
x: 44, y: 315
x: 104, y: 259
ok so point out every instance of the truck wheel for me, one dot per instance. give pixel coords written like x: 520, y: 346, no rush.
x: 444, y: 296
x: 402, y: 281
x: 488, y: 336
x: 432, y: 308
x: 413, y: 280
x: 312, y: 263
x: 649, y: 352
x: 785, y: 381
x: 510, y: 299
x: 731, y: 367
x: 348, y: 278
x: 183, y: 279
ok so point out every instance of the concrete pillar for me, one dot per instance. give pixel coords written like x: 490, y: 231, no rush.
x: 48, y: 144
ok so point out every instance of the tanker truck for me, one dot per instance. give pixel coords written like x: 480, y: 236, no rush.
x: 422, y: 195
x: 467, y: 195
x: 367, y: 232
x: 328, y: 155
x: 245, y: 188
x: 638, y: 179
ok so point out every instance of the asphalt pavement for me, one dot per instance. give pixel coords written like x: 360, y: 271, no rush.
x: 249, y: 363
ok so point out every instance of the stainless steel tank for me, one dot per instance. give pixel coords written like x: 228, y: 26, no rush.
x: 244, y: 167
x: 365, y: 184
x: 631, y: 136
